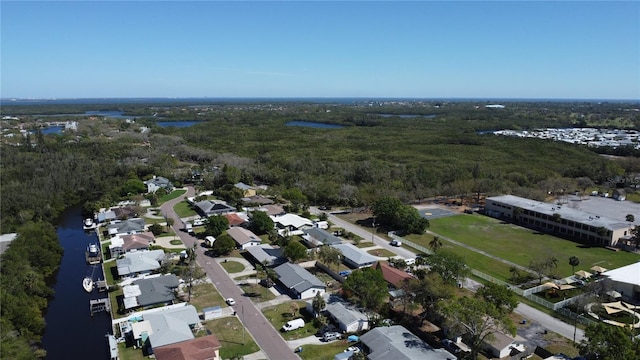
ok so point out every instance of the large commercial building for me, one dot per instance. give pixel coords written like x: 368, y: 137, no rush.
x: 561, y: 220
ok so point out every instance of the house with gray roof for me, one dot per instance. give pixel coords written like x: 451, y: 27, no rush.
x: 139, y: 262
x: 129, y: 226
x: 348, y: 318
x: 208, y: 208
x: 158, y: 182
x: 398, y: 343
x: 243, y: 237
x: 266, y: 254
x: 355, y: 257
x: 150, y: 292
x: 317, y: 237
x: 301, y: 283
x: 171, y: 326
x: 106, y: 216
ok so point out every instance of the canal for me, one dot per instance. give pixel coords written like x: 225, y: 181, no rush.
x: 71, y: 332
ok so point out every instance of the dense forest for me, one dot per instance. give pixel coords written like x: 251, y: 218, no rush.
x: 376, y: 153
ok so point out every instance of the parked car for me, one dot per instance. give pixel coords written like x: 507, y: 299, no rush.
x: 325, y: 329
x: 344, y: 273
x: 230, y: 301
x: 330, y: 336
x: 396, y: 243
x: 451, y: 346
x: 355, y: 349
x: 293, y: 324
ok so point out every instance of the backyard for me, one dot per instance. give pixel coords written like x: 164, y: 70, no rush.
x: 278, y: 315
x: 234, y: 340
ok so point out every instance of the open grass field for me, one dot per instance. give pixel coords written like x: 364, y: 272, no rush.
x: 521, y: 245
x: 229, y: 331
x: 184, y: 210
x: 205, y: 295
x: 174, y: 194
x: 327, y: 351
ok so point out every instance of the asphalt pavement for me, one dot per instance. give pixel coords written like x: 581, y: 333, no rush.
x: 266, y: 336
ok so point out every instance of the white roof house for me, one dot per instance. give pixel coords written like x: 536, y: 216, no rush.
x: 244, y: 237
x: 626, y: 280
x: 348, y: 318
x: 139, y: 262
x: 291, y: 224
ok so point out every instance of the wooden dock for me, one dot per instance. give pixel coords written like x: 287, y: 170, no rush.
x: 99, y: 305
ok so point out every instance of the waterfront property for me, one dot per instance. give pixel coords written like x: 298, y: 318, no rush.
x: 129, y: 226
x: 558, y: 219
x: 204, y: 348
x: 139, y: 262
x: 121, y: 244
x: 150, y: 292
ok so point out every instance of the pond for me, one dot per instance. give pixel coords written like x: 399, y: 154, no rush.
x: 406, y: 116
x: 312, y: 124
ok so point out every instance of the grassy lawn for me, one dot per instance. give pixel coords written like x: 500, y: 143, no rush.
x: 280, y: 314
x: 229, y: 332
x: 381, y: 253
x: 257, y: 292
x: 232, y: 266
x: 204, y: 296
x: 364, y: 244
x: 328, y: 351
x: 174, y: 194
x: 129, y: 353
x: 184, y: 210
x: 521, y: 245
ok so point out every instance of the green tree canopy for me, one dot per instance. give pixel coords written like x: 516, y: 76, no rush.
x: 450, y: 266
x: 367, y: 287
x: 261, y: 223
x: 503, y: 298
x: 215, y: 225
x: 608, y: 342
x: 295, y: 251
x: 132, y: 187
x: 223, y: 245
x: 392, y: 213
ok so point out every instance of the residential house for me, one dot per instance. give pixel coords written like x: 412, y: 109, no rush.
x: 355, y: 257
x: 626, y: 281
x: 106, y: 216
x: 139, y: 262
x: 171, y: 326
x: 129, y: 226
x: 501, y: 345
x: 235, y: 219
x: 394, y: 276
x: 121, y: 243
x: 272, y: 210
x: 317, y: 237
x: 257, y: 200
x: 158, y: 182
x: 397, y: 343
x: 266, y: 254
x: 125, y: 212
x: 291, y: 224
x: 202, y: 348
x: 150, y: 292
x: 301, y: 283
x: 243, y: 237
x: 348, y: 318
x: 208, y: 208
x: 247, y: 190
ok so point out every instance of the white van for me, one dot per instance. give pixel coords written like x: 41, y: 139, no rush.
x: 293, y: 324
x: 409, y: 261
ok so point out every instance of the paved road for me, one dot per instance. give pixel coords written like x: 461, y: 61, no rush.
x: 268, y: 338
x: 547, y: 321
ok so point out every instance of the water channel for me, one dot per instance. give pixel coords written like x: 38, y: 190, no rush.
x: 71, y: 332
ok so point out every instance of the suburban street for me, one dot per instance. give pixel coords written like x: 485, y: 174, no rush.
x: 545, y: 320
x: 268, y: 339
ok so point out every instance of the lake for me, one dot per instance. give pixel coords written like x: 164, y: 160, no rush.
x: 179, y: 124
x: 50, y: 130
x: 71, y: 332
x: 312, y: 124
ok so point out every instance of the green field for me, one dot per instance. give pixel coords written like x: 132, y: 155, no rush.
x: 183, y: 209
x: 234, y: 340
x: 278, y: 315
x: 520, y: 245
x: 174, y: 194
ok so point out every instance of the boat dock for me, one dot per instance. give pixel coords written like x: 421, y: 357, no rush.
x: 93, y: 258
x: 99, y: 305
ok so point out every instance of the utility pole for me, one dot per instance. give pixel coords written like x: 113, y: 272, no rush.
x: 373, y: 225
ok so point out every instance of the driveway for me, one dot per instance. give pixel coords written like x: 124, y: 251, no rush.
x: 268, y: 339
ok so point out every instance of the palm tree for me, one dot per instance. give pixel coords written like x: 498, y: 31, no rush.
x: 574, y: 261
x: 435, y: 244
x: 318, y: 304
x: 515, y: 273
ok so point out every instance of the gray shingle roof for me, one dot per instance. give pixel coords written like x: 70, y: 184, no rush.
x: 398, y: 343
x: 139, y: 261
x: 321, y: 236
x: 266, y: 253
x: 355, y: 255
x: 344, y: 314
x: 172, y: 326
x: 296, y: 277
x: 156, y: 290
x: 127, y: 226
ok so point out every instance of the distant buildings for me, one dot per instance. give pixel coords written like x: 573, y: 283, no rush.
x: 584, y: 136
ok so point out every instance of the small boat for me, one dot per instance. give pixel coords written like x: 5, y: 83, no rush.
x: 87, y: 284
x: 89, y: 224
x: 93, y: 250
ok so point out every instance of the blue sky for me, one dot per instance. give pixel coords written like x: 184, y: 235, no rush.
x: 479, y: 49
